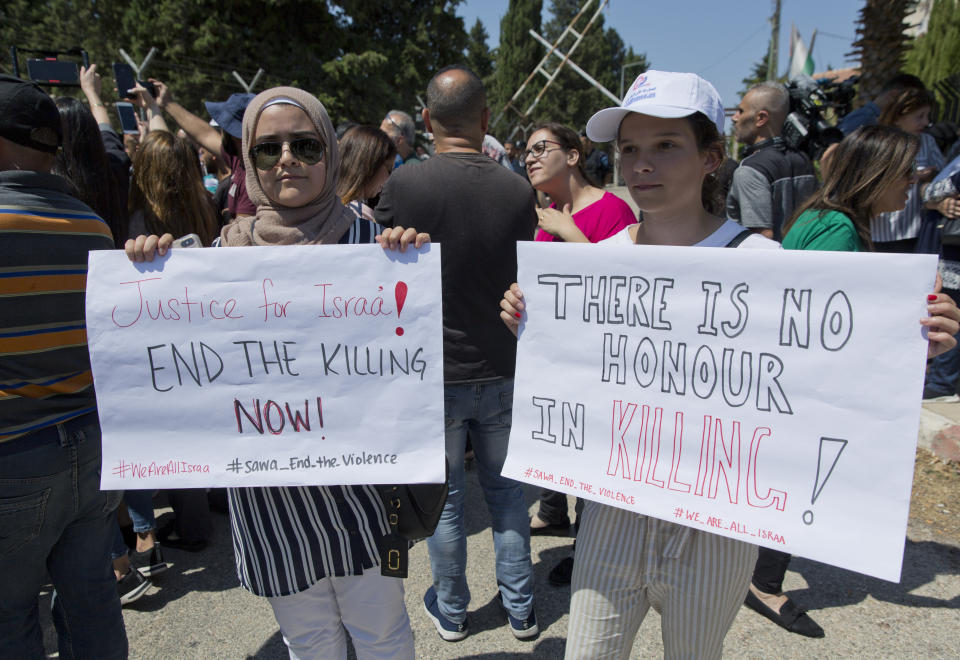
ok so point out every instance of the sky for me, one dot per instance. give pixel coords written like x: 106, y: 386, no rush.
x: 720, y: 41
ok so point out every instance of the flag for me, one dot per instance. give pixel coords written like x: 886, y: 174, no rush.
x: 801, y: 61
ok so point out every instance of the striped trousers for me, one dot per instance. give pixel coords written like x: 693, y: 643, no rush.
x: 627, y: 562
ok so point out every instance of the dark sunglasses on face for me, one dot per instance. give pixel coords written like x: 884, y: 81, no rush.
x: 539, y: 148
x: 308, y: 151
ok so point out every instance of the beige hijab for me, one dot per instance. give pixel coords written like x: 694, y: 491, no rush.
x: 324, y: 220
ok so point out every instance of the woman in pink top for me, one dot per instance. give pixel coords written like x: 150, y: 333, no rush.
x: 554, y: 161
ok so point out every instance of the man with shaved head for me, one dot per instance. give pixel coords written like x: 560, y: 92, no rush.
x: 770, y: 183
x: 772, y: 180
x: 476, y: 210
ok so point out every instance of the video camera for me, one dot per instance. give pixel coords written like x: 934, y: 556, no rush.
x: 805, y: 128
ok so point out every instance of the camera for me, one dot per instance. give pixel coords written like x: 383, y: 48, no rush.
x: 805, y: 128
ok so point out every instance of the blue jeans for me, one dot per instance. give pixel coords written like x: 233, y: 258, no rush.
x: 140, y: 507
x: 485, y: 411
x: 943, y: 373
x: 55, y: 519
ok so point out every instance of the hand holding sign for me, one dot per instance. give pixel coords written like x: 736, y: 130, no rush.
x: 273, y: 357
x: 723, y: 389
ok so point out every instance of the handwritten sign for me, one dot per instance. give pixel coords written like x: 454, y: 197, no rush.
x: 766, y: 395
x: 268, y: 366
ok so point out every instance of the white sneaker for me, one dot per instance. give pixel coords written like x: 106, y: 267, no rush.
x: 947, y: 398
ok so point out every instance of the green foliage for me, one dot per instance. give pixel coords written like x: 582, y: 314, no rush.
x: 518, y: 53
x: 936, y: 55
x: 361, y: 57
x: 479, y: 57
x: 758, y: 73
x: 570, y: 99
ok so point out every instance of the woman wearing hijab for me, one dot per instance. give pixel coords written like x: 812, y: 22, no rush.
x: 312, y: 551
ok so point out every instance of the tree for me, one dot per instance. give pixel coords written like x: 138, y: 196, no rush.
x: 360, y: 57
x: 479, y: 57
x: 417, y: 37
x: 571, y: 99
x: 881, y: 43
x: 936, y: 55
x: 758, y: 73
x: 517, y: 54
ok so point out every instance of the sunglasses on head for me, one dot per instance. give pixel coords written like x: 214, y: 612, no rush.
x: 308, y: 151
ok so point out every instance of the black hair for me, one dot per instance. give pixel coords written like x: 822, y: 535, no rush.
x: 456, y: 105
x: 84, y: 164
x: 709, y: 139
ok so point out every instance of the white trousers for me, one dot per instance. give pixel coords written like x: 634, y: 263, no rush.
x: 369, y: 606
x: 627, y: 563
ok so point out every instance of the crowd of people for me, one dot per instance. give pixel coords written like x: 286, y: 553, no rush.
x: 271, y: 169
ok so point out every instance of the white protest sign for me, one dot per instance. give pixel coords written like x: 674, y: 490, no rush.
x: 268, y: 366
x: 770, y: 396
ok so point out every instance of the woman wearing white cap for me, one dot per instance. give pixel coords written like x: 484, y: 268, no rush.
x: 669, y: 133
x: 668, y: 130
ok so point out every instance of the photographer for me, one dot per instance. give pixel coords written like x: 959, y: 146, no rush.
x: 772, y: 179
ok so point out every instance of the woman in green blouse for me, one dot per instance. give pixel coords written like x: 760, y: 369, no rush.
x: 870, y: 172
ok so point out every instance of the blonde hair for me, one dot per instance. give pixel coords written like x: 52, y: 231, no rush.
x: 168, y: 188
x: 363, y: 150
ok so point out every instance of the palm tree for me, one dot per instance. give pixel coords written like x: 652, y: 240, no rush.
x: 881, y: 43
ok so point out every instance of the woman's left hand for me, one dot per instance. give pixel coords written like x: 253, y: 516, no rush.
x: 394, y: 238
x: 943, y: 322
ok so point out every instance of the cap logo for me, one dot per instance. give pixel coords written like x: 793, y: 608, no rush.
x: 638, y: 83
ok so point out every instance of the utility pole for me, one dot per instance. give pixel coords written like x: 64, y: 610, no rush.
x: 774, y: 42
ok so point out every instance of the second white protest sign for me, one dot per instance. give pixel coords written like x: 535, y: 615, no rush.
x: 765, y: 395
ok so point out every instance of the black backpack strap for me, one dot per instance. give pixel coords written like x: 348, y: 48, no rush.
x: 739, y: 238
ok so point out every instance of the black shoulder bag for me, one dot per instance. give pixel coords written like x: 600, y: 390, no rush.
x: 413, y: 511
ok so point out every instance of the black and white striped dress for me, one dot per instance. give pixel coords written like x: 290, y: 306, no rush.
x: 905, y: 224
x: 286, y: 539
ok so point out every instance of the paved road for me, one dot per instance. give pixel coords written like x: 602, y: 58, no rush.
x: 199, y: 611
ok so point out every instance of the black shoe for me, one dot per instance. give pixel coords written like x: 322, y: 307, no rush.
x: 150, y: 562
x: 132, y: 586
x: 790, y: 617
x: 171, y: 539
x: 557, y: 529
x: 561, y: 573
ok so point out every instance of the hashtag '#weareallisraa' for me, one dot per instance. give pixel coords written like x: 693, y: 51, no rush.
x: 677, y: 512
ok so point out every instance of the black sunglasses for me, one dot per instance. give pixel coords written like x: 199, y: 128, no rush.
x: 308, y: 151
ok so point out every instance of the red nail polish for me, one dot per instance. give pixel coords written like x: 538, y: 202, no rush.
x: 931, y: 297
x: 517, y: 314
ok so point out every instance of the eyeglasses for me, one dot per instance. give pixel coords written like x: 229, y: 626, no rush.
x: 308, y: 151
x: 540, y: 148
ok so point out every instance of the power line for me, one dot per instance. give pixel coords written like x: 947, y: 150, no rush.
x: 835, y: 36
x: 762, y: 27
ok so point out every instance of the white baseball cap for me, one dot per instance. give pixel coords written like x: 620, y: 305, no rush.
x: 659, y: 94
